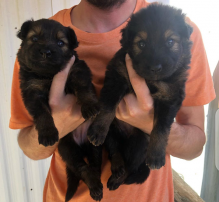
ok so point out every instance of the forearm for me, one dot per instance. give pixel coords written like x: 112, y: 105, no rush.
x: 185, y: 141
x: 28, y: 142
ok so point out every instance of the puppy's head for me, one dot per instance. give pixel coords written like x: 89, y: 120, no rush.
x: 46, y: 45
x: 157, y: 40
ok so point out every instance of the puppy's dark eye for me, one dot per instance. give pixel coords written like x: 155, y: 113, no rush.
x: 35, y: 39
x: 170, y: 43
x: 141, y: 44
x: 60, y: 43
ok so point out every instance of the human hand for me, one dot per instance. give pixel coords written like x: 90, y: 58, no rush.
x: 136, y: 110
x: 64, y: 108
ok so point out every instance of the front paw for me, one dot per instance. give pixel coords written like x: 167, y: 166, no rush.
x: 118, y: 167
x: 90, y: 110
x: 97, y: 134
x: 155, y: 160
x: 48, y: 136
x: 96, y: 191
x: 118, y: 171
x: 113, y: 183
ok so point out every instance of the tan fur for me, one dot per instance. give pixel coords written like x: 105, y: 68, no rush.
x: 29, y: 36
x: 176, y: 38
x: 168, y: 33
x: 61, y: 36
x: 38, y: 84
x: 172, y: 35
x: 38, y: 29
x: 175, y: 47
x: 35, y: 31
x: 65, y: 48
x: 31, y: 33
x: 165, y: 91
x: 141, y: 36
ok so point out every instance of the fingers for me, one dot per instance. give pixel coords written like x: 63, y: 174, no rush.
x: 140, y: 87
x: 132, y: 104
x: 121, y: 110
x: 57, y: 90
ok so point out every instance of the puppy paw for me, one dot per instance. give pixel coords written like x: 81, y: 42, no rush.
x: 155, y: 161
x: 96, y: 191
x: 118, y: 171
x: 118, y: 167
x: 113, y: 183
x: 90, y: 110
x: 97, y: 134
x: 48, y: 136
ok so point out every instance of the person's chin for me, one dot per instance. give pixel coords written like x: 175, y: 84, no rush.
x: 106, y: 4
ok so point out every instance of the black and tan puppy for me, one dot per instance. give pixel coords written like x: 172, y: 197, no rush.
x: 157, y: 40
x: 46, y: 48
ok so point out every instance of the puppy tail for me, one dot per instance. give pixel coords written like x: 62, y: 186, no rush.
x: 72, y: 183
x: 139, y: 176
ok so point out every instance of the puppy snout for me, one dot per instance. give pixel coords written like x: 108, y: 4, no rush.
x: 156, y: 68
x: 46, y: 53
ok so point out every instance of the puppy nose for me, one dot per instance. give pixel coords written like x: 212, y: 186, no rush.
x: 156, y: 68
x: 45, y: 53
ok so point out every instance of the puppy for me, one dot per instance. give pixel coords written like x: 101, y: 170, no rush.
x: 46, y: 48
x: 157, y: 41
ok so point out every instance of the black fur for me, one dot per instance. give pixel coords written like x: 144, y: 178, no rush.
x: 46, y: 48
x: 157, y: 40
x: 127, y: 147
x: 77, y: 169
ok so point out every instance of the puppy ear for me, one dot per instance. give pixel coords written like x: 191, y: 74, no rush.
x: 128, y: 32
x: 22, y: 33
x: 186, y: 28
x: 189, y: 30
x: 72, y: 38
x: 124, y: 39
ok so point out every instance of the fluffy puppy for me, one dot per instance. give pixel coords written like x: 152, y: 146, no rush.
x: 46, y: 48
x: 157, y: 40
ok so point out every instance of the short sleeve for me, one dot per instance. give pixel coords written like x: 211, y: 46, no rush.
x: 20, y: 118
x: 199, y: 86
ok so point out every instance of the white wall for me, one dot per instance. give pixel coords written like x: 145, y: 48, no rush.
x: 21, y: 179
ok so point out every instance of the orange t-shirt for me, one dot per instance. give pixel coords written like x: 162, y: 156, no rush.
x: 97, y: 49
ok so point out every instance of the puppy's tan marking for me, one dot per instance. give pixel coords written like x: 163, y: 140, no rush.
x: 35, y: 31
x: 143, y: 35
x: 171, y: 35
x: 137, y: 50
x: 140, y: 36
x: 61, y: 36
x: 31, y: 33
x: 37, y: 84
x: 175, y: 37
x: 165, y: 91
x: 175, y: 47
x: 168, y: 33
x: 137, y: 39
x: 64, y: 48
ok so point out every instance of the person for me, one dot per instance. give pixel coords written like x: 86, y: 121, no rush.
x: 97, y: 25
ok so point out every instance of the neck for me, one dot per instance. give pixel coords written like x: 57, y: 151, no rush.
x: 91, y: 19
